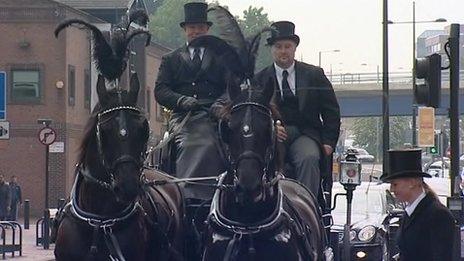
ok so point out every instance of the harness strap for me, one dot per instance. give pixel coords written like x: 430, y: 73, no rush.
x: 301, y: 230
x: 233, y: 248
x: 93, y: 247
x: 170, y: 251
x: 113, y: 246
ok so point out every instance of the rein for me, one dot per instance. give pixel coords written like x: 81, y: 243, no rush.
x: 175, y: 131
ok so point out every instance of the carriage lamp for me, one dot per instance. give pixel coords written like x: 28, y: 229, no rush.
x: 350, y: 177
x: 350, y: 170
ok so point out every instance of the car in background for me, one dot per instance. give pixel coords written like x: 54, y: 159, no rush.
x: 362, y: 155
x: 439, y: 169
x: 374, y: 222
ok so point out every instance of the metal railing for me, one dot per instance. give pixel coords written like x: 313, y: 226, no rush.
x: 370, y: 78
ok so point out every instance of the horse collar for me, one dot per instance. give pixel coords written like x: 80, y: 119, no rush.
x: 96, y: 220
x: 238, y: 228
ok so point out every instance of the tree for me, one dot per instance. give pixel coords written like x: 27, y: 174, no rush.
x: 164, y: 26
x: 164, y: 23
x: 368, y: 133
x: 254, y: 20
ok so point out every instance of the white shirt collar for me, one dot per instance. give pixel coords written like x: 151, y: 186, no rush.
x: 290, y: 79
x: 191, y: 50
x: 411, y: 207
x: 290, y: 70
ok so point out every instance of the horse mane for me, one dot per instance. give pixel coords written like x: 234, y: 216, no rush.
x: 88, y: 134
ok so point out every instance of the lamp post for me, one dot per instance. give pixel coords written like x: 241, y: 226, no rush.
x: 328, y: 51
x: 385, y: 89
x: 414, y: 105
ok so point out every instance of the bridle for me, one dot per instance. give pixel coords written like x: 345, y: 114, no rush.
x: 124, y: 158
x: 266, y: 161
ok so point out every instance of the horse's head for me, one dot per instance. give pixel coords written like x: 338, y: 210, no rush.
x: 120, y: 135
x: 250, y: 135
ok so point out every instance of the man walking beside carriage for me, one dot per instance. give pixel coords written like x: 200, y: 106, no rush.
x: 307, y: 102
x: 190, y: 80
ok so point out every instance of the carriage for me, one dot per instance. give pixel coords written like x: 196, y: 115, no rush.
x: 125, y: 205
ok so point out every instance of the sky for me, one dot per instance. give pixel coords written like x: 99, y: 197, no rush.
x: 355, y: 28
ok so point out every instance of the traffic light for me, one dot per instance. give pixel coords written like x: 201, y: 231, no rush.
x: 433, y: 150
x: 429, y: 69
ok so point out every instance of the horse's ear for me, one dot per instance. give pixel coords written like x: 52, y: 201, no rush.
x: 268, y: 91
x: 101, y: 88
x: 134, y: 88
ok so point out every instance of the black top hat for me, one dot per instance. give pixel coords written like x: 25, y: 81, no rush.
x: 196, y: 13
x: 404, y: 164
x: 283, y: 30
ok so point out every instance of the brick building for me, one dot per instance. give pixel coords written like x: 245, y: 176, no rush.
x: 54, y: 79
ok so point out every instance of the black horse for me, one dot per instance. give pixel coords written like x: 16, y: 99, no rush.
x: 113, y: 214
x: 257, y: 214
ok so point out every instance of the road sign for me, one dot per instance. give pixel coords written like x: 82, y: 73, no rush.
x: 47, y: 136
x: 2, y: 96
x: 56, y: 147
x: 4, y: 130
x: 426, y: 137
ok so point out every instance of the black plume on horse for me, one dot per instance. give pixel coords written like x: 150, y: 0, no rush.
x: 111, y: 57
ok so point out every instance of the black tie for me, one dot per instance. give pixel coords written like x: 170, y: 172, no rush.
x: 196, y: 59
x: 287, y: 92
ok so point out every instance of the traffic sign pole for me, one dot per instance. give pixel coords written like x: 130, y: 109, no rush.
x: 47, y: 136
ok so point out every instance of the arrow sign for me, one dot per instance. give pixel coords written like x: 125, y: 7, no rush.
x: 47, y: 136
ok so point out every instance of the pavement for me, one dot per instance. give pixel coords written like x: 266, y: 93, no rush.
x: 30, y: 250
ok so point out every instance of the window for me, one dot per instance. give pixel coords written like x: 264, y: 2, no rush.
x: 25, y: 85
x: 71, y: 85
x: 87, y: 89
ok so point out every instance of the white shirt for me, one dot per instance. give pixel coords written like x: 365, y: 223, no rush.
x: 411, y: 207
x: 191, y: 50
x: 290, y: 77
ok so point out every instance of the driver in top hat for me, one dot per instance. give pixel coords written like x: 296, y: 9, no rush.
x: 191, y: 79
x: 307, y: 103
x: 427, y: 227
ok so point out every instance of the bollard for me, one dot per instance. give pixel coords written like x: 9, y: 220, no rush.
x: 26, y: 213
x: 46, y: 229
x: 61, y: 203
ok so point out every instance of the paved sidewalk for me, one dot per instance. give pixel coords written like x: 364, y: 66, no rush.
x: 30, y: 250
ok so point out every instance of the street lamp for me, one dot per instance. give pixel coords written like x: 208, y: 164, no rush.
x: 327, y: 51
x: 414, y: 105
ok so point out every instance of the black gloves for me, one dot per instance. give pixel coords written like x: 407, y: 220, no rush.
x: 188, y: 103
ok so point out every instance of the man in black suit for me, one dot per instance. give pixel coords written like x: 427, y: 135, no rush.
x: 191, y: 79
x: 427, y: 228
x: 307, y: 102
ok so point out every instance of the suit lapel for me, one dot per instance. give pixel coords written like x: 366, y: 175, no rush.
x: 276, y: 98
x: 301, y: 86
x: 205, y: 62
x: 420, y: 207
x: 185, y: 55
